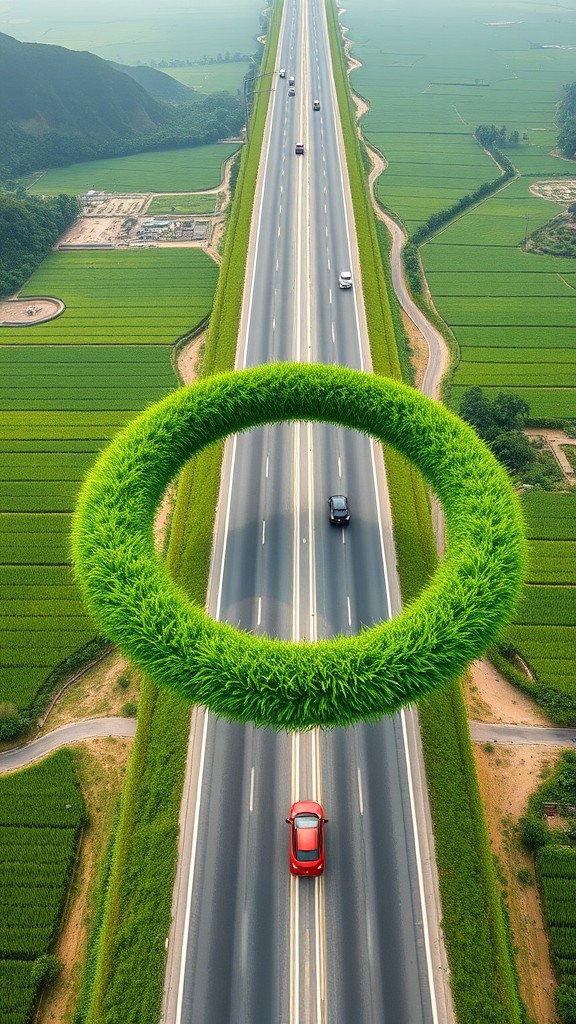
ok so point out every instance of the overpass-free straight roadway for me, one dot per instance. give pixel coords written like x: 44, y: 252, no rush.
x: 260, y: 947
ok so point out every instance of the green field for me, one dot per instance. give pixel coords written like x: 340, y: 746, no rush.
x: 41, y: 812
x: 432, y: 75
x: 60, y: 407
x: 183, y: 204
x: 180, y: 170
x: 206, y: 78
x: 62, y: 397
x: 127, y: 297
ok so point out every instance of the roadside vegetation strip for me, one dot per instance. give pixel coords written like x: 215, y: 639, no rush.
x: 379, y: 319
x: 273, y: 682
x: 41, y: 813
x: 124, y: 975
x: 166, y: 170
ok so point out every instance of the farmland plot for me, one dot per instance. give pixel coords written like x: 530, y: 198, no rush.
x: 41, y: 812
x: 60, y: 407
x: 177, y: 170
x: 61, y: 400
x: 431, y: 77
x: 127, y: 297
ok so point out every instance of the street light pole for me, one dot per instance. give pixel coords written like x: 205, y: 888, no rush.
x: 268, y: 74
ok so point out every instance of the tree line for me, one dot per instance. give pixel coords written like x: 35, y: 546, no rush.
x: 208, y: 120
x: 566, y: 118
x: 29, y: 227
x: 488, y: 136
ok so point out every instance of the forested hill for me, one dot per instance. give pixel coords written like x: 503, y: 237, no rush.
x: 58, y: 106
x: 160, y: 85
x: 28, y: 228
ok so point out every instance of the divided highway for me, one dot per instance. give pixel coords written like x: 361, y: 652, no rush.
x: 260, y: 947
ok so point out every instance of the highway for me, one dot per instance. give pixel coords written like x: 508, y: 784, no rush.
x: 260, y: 947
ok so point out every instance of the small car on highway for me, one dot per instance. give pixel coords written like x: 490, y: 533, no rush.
x: 339, y: 509
x: 345, y: 279
x: 316, y: 105
x: 282, y: 72
x: 291, y: 91
x: 291, y: 80
x: 299, y: 149
x: 306, y: 822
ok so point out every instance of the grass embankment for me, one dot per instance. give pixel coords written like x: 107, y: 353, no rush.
x: 483, y: 978
x: 124, y: 974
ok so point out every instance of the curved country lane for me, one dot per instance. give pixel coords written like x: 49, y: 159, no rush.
x: 75, y: 732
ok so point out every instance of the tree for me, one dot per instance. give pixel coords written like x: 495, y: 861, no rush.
x: 513, y: 450
x: 476, y: 409
x: 509, y: 412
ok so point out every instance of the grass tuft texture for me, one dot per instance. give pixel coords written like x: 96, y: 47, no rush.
x: 268, y: 681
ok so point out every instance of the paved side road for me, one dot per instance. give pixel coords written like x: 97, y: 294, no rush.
x: 486, y: 732
x: 87, y: 729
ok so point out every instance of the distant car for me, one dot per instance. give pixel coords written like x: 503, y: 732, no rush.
x: 345, y: 279
x: 316, y: 105
x: 291, y: 91
x: 282, y: 72
x: 299, y: 149
x: 339, y: 509
x: 306, y: 822
x: 291, y: 80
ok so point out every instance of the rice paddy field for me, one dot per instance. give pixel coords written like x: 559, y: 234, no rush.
x: 180, y: 170
x: 182, y: 204
x: 65, y: 388
x: 41, y: 813
x: 431, y: 76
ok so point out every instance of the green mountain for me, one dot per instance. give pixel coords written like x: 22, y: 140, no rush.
x: 160, y: 85
x: 59, y: 106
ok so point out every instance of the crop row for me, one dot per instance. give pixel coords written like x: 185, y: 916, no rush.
x: 18, y: 989
x: 548, y: 606
x: 552, y: 561
x: 556, y: 869
x: 41, y: 812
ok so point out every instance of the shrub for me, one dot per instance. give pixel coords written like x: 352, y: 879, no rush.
x: 129, y: 709
x: 566, y: 1003
x: 533, y: 832
x: 11, y: 721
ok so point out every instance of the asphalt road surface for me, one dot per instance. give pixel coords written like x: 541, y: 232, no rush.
x: 260, y: 947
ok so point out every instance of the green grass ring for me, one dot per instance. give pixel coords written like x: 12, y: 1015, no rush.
x: 272, y: 682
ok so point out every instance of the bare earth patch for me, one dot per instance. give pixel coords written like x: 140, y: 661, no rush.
x: 563, y: 192
x: 555, y: 441
x: 491, y: 698
x: 97, y: 694
x: 507, y: 777
x: 15, y: 312
x: 102, y: 767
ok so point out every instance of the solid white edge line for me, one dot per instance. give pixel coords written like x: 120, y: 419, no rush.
x: 226, y: 527
x: 380, y: 526
x: 420, y: 872
x: 191, y: 875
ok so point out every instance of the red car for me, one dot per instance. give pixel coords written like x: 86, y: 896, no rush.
x: 306, y: 838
